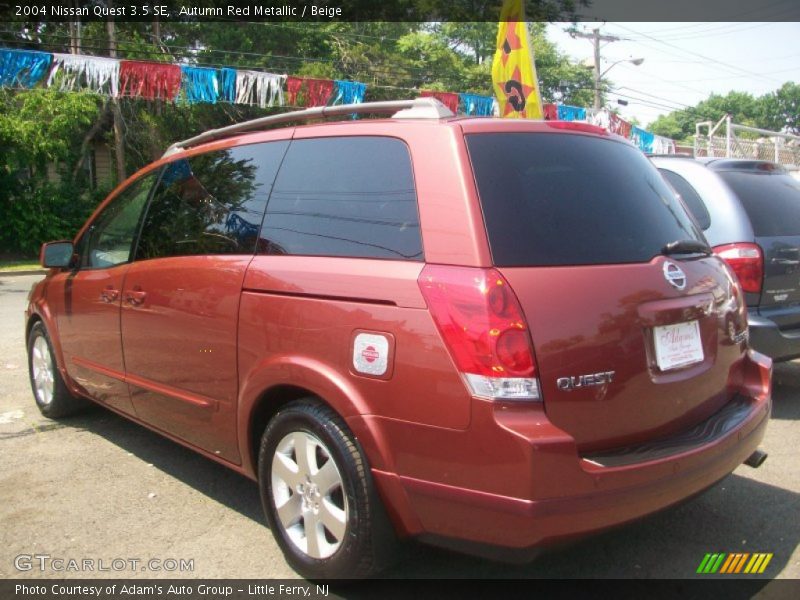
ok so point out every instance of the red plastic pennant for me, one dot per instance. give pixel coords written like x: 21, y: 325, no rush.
x: 449, y: 99
x: 318, y: 91
x: 293, y: 85
x: 550, y: 112
x: 619, y: 126
x: 149, y: 80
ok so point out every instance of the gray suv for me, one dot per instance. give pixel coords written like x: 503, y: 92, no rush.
x: 749, y: 211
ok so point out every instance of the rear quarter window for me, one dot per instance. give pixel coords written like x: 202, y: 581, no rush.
x: 569, y: 199
x: 771, y: 200
x: 344, y: 196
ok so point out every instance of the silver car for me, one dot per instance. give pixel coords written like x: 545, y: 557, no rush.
x: 749, y: 211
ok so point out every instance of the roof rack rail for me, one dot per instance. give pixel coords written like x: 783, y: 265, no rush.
x: 419, y: 108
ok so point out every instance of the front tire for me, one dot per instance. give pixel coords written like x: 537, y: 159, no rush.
x: 318, y: 495
x: 49, y: 390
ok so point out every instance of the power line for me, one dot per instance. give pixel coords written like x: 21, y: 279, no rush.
x: 708, y: 58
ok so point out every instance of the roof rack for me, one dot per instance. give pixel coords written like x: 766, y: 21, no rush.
x: 419, y: 108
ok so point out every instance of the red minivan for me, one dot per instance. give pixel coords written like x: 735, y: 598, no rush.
x: 487, y: 334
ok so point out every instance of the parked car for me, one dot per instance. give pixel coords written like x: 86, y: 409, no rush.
x: 749, y: 211
x: 487, y: 334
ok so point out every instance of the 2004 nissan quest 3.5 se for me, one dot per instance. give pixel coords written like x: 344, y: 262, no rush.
x: 489, y: 334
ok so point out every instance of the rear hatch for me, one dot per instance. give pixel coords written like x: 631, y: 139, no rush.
x: 771, y: 199
x: 629, y: 343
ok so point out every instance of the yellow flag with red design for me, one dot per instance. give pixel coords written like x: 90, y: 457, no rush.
x: 513, y: 69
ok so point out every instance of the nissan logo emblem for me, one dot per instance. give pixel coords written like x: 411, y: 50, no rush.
x: 675, y: 275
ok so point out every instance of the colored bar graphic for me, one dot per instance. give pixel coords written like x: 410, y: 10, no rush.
x: 718, y: 562
x: 741, y: 562
x: 767, y: 558
x: 728, y: 563
x: 703, y: 563
x: 732, y: 564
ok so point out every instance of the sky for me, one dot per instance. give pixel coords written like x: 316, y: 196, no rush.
x: 684, y: 63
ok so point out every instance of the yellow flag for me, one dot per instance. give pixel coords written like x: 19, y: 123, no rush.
x: 513, y: 70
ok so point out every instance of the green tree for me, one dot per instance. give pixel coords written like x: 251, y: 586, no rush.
x: 780, y: 110
x: 40, y: 199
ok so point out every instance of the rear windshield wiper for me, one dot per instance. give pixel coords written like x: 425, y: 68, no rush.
x: 686, y: 247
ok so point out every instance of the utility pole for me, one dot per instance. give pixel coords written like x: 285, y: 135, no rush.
x: 119, y: 141
x: 596, y: 38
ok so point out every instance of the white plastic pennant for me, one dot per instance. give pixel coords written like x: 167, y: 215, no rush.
x: 255, y: 87
x: 95, y: 73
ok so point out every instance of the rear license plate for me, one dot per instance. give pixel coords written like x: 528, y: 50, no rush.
x: 678, y: 345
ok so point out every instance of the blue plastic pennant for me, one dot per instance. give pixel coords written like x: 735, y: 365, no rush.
x: 571, y: 113
x: 476, y: 105
x: 227, y: 78
x: 200, y: 84
x: 643, y: 139
x: 23, y: 67
x: 348, y: 92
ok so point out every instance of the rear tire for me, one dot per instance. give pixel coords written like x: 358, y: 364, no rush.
x: 49, y: 390
x: 319, y: 497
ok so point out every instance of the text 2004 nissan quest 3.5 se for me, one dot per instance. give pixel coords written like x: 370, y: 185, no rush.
x: 489, y: 334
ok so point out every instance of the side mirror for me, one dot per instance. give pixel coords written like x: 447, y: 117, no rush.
x: 56, y: 254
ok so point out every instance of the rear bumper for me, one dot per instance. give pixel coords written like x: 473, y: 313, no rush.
x: 766, y: 337
x: 569, y: 495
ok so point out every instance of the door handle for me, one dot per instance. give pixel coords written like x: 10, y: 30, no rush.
x: 136, y: 297
x: 109, y: 294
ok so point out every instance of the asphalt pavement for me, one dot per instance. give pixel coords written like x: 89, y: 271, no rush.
x: 97, y: 487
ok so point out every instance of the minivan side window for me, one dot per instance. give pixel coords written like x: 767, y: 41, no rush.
x: 344, y: 196
x: 109, y: 239
x: 690, y: 197
x: 211, y: 203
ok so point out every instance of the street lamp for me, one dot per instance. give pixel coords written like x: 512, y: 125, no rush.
x: 598, y: 75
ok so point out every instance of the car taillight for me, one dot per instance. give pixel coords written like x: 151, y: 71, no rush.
x: 746, y: 261
x: 482, y: 324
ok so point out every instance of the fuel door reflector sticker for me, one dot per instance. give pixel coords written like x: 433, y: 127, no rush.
x: 371, y: 354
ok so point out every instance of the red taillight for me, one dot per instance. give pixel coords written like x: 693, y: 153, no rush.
x: 482, y: 324
x: 747, y: 262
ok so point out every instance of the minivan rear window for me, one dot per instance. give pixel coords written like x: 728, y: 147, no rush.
x: 569, y: 199
x: 772, y: 201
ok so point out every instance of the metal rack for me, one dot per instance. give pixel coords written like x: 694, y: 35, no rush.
x: 419, y: 108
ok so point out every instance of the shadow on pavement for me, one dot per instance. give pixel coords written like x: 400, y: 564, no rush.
x: 207, y: 477
x: 737, y: 515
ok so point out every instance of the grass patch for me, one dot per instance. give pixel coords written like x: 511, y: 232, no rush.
x: 19, y: 265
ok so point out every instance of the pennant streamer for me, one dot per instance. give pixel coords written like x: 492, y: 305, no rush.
x: 23, y: 67
x: 348, y: 92
x: 449, y: 99
x: 571, y: 113
x: 662, y: 145
x: 293, y: 85
x: 93, y: 73
x: 480, y: 106
x: 200, y: 84
x: 227, y: 79
x: 149, y: 80
x: 257, y: 87
x: 643, y: 139
x: 515, y: 96
x: 318, y: 91
x: 619, y: 126
x: 513, y: 71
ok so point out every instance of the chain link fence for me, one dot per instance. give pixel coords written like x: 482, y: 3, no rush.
x: 772, y: 145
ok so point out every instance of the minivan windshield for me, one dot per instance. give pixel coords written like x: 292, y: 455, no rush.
x: 571, y: 199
